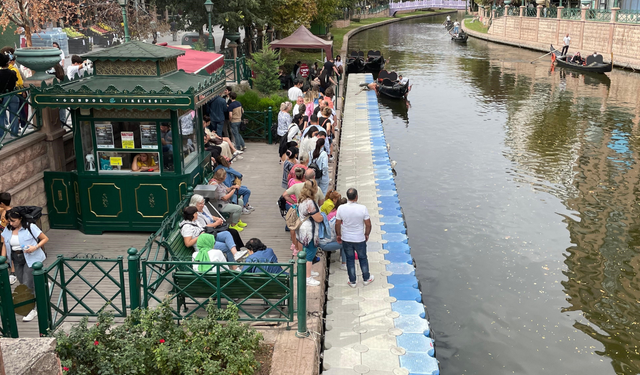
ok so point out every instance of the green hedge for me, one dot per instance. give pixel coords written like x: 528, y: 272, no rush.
x: 252, y: 100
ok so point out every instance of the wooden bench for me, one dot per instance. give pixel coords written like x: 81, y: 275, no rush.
x: 175, y: 248
x: 228, y: 286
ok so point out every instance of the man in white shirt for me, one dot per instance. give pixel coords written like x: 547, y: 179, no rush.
x: 76, y: 68
x: 295, y: 91
x: 296, y: 108
x: 353, y: 226
x: 565, y: 48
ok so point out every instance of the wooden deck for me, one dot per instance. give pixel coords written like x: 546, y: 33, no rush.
x: 262, y: 174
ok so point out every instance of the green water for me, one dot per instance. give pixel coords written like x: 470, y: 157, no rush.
x: 520, y: 188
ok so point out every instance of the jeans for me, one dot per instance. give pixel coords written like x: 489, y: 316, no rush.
x: 237, y: 138
x: 243, y: 193
x: 350, y: 248
x: 218, y: 127
x: 13, y: 108
x: 224, y: 243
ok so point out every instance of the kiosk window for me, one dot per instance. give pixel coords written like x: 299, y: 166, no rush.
x: 188, y: 130
x: 128, y: 162
x: 126, y: 135
x: 166, y: 138
x: 90, y: 163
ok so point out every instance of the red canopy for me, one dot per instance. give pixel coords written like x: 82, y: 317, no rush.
x: 194, y: 61
x: 301, y: 39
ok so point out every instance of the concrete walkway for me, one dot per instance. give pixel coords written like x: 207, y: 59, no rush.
x: 380, y: 328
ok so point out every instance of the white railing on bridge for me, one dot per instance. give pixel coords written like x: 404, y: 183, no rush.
x: 450, y: 4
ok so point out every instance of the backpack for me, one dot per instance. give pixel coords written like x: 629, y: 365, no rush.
x: 282, y: 205
x: 292, y: 218
x: 30, y: 214
x: 313, y: 165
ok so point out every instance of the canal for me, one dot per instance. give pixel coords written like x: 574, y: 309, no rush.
x: 520, y: 187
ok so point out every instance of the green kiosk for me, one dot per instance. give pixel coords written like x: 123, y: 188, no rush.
x: 138, y: 138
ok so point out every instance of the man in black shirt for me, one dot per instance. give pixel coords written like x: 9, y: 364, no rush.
x: 8, y: 80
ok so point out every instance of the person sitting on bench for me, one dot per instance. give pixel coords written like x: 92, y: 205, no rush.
x: 206, y: 253
x: 577, y: 59
x: 191, y: 230
x: 206, y: 219
x: 260, y: 253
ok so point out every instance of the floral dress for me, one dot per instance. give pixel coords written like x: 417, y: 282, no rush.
x: 308, y: 231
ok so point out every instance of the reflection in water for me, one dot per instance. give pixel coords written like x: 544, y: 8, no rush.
x: 520, y: 184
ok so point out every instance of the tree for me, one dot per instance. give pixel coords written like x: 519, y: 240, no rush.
x: 288, y: 15
x: 31, y: 16
x: 265, y: 65
x: 141, y: 23
x: 328, y: 11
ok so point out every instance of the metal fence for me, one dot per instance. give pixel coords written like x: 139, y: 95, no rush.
x: 18, y: 118
x: 499, y: 12
x: 530, y: 12
x: 261, y: 296
x: 550, y: 12
x: 571, y: 13
x: 257, y: 125
x: 513, y: 11
x: 598, y: 15
x: 628, y: 16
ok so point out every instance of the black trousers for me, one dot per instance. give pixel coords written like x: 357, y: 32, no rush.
x: 564, y: 51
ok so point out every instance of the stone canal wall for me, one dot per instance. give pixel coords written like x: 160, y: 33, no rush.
x: 621, y: 39
x: 381, y: 327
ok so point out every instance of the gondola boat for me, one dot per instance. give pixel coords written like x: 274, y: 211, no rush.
x: 460, y: 38
x: 594, y: 64
x: 448, y: 25
x: 374, y: 62
x: 388, y: 85
x: 355, y: 62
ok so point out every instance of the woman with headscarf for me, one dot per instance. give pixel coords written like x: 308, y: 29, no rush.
x: 206, y: 253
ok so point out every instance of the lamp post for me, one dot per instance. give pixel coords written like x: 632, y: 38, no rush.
x: 208, y: 5
x: 123, y: 5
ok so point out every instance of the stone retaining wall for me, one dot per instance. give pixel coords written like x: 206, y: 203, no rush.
x: 623, y: 40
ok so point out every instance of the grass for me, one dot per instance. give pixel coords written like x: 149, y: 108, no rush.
x: 476, y: 26
x: 292, y: 56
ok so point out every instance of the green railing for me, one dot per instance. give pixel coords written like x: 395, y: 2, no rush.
x: 75, y: 287
x: 530, y: 12
x: 571, y: 14
x: 598, y: 15
x: 237, y: 70
x: 17, y: 117
x: 550, y: 12
x: 499, y: 12
x: 514, y: 11
x: 257, y: 125
x: 270, y: 298
x: 8, y: 323
x: 628, y: 16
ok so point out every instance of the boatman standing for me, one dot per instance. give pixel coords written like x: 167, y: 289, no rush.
x: 456, y: 27
x: 565, y: 48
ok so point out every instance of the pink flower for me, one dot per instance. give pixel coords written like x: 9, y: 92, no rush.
x: 65, y: 368
x: 161, y: 341
x: 96, y: 343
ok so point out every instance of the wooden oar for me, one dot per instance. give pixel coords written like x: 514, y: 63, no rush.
x: 541, y: 57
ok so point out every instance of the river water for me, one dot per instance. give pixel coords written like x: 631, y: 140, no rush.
x: 520, y: 189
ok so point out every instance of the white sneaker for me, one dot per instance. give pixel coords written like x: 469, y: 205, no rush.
x: 246, y: 211
x: 32, y: 314
x: 312, y: 282
x: 239, y: 254
x: 343, y: 267
x: 238, y: 157
x: 353, y: 285
x: 13, y: 279
x: 314, y: 274
x: 238, y: 152
x: 369, y: 281
x: 249, y: 207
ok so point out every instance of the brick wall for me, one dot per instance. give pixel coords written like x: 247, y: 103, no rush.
x: 586, y: 36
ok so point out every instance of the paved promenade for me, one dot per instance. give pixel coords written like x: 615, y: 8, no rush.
x: 380, y: 328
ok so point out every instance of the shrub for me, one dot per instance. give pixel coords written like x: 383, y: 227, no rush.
x: 150, y: 342
x: 265, y: 65
x: 253, y: 101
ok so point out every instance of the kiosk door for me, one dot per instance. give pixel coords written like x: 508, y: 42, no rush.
x: 62, y: 199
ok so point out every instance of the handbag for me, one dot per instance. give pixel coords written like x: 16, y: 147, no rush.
x: 215, y: 230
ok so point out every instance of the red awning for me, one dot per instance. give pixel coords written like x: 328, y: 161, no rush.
x: 194, y: 61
